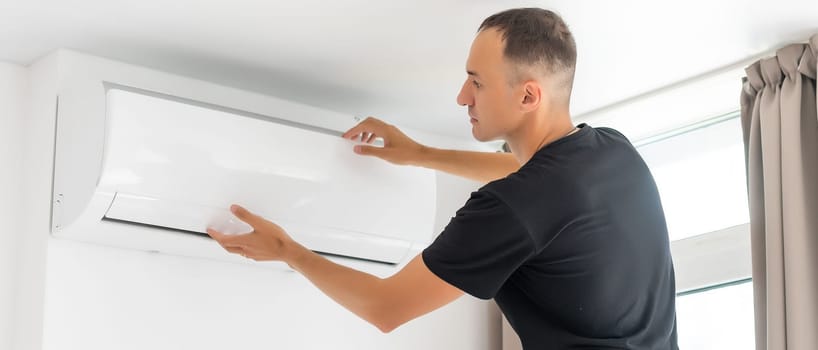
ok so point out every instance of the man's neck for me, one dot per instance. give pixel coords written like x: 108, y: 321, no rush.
x: 537, y: 132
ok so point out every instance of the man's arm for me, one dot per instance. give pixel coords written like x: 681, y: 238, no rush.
x: 400, y: 149
x: 385, y: 303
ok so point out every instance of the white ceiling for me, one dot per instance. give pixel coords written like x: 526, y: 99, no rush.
x: 402, y: 61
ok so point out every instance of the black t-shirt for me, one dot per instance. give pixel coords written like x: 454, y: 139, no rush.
x: 573, y: 247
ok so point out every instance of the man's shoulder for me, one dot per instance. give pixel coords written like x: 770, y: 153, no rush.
x: 526, y: 185
x: 522, y: 178
x: 608, y: 135
x: 608, y: 130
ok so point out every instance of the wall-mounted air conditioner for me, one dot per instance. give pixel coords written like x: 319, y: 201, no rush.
x: 166, y: 167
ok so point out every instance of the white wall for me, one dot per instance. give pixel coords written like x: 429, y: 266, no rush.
x: 13, y: 88
x: 34, y: 204
x: 106, y: 298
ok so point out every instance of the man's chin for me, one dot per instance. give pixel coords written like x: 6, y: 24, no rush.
x: 479, y: 136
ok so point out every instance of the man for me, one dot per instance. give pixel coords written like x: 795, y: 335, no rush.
x: 568, y: 236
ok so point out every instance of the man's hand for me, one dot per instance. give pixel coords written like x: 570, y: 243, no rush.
x: 397, y: 147
x: 400, y: 149
x: 385, y: 303
x: 267, y: 241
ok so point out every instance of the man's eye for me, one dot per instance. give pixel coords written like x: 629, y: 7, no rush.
x: 476, y: 84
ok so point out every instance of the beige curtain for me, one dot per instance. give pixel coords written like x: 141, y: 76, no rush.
x: 780, y: 126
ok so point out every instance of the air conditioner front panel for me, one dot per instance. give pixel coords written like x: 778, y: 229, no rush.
x: 180, y: 164
x: 177, y: 151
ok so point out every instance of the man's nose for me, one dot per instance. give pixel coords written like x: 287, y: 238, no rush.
x: 465, y: 98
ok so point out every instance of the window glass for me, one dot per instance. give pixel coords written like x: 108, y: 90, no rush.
x: 717, y: 319
x: 701, y: 178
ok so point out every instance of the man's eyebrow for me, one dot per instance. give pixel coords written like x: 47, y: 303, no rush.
x: 472, y: 73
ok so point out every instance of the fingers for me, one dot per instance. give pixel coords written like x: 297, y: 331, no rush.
x: 229, y: 243
x: 216, y: 235
x: 225, y: 240
x: 245, y: 215
x: 240, y: 251
x: 364, y: 136
x: 366, y: 130
x: 370, y: 150
x: 235, y: 250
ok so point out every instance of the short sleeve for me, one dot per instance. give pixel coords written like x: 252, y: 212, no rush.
x: 480, y: 247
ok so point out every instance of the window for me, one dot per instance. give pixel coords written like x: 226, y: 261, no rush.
x: 701, y: 178
x: 717, y: 319
x: 700, y: 174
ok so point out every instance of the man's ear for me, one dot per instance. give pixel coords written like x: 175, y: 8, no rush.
x: 532, y: 96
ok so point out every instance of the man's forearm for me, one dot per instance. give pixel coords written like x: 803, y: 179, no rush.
x: 385, y: 303
x: 361, y: 293
x: 482, y: 167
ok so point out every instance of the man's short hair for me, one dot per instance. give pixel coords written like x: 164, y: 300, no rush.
x: 536, y: 38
